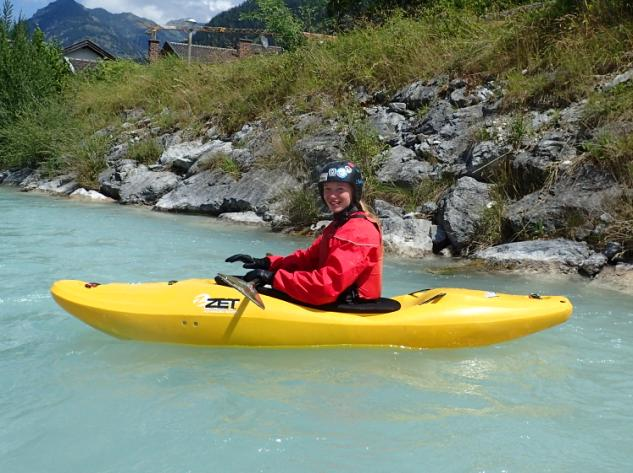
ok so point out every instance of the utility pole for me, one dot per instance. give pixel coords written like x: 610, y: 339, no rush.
x: 191, y: 22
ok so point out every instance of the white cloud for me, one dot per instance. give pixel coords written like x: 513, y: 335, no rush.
x: 162, y: 11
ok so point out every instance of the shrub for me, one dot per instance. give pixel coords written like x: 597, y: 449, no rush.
x: 145, y: 152
x: 302, y: 207
x: 31, y: 69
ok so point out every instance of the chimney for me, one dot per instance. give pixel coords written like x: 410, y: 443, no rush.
x: 244, y: 48
x: 153, y: 50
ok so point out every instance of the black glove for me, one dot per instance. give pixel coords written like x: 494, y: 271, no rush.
x: 261, y: 276
x: 249, y: 261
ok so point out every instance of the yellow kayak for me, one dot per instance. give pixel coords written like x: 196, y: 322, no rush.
x: 203, y: 312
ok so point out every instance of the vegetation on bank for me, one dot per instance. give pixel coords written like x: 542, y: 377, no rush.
x: 546, y: 57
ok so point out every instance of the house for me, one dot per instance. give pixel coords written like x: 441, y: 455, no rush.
x: 212, y: 54
x: 85, y: 54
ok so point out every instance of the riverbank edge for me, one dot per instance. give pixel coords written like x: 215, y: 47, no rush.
x: 615, y: 277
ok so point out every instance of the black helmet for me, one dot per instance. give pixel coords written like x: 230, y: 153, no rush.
x: 342, y: 171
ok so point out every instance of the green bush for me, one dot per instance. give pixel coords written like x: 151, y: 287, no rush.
x: 145, y: 151
x: 31, y: 69
x: 302, y: 208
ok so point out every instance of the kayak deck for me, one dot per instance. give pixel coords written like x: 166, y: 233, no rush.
x: 201, y: 312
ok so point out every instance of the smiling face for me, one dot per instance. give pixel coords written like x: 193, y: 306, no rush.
x: 337, y: 195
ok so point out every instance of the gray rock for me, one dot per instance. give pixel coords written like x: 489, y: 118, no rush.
x: 619, y: 79
x: 321, y: 147
x: 213, y: 192
x: 260, y: 190
x: 111, y: 178
x: 214, y: 149
x: 386, y: 210
x: 93, y: 195
x: 201, y: 193
x: 461, y: 209
x: 483, y: 159
x: 16, y: 177
x: 143, y: 186
x: 613, y: 250
x: 559, y: 254
x: 387, y: 124
x: 63, y: 185
x: 439, y: 238
x: 401, y: 166
x: 460, y: 98
x: 256, y: 137
x: 416, y: 95
x: 577, y: 199
x: 436, y: 118
x: 117, y: 153
x: 248, y: 217
x: 571, y: 117
x: 170, y: 139
x: 593, y: 264
x: 181, y: 156
x: 407, y: 237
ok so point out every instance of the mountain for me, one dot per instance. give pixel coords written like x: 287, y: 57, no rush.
x: 122, y: 34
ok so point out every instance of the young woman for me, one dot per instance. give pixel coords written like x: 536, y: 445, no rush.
x: 344, y: 264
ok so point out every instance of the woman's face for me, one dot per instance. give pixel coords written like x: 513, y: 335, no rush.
x: 337, y: 195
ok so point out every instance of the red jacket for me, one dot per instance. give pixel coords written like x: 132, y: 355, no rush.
x: 342, y: 256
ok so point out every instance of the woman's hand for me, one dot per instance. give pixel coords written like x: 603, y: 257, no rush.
x: 249, y: 261
x: 260, y: 276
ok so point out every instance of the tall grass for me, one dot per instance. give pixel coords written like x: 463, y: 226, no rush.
x: 546, y: 57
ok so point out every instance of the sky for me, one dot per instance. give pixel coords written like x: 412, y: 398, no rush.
x: 160, y: 11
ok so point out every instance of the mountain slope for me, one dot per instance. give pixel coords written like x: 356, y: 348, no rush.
x: 122, y: 34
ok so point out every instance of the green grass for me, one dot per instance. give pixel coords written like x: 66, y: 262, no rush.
x: 302, y: 208
x: 145, y: 152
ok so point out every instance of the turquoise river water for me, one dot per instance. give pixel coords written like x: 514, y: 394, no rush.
x: 75, y: 400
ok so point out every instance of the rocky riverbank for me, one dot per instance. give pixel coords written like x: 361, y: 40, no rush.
x: 438, y: 132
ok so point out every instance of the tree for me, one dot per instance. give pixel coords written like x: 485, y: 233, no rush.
x: 280, y: 20
x: 31, y: 69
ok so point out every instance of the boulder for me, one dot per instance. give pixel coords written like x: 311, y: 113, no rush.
x: 110, y: 179
x: 401, y: 166
x: 180, y: 157
x: 407, y: 237
x: 256, y: 137
x: 213, y: 192
x: 574, y: 202
x: 386, y: 210
x: 461, y: 209
x: 16, y: 177
x: 387, y: 124
x: 483, y: 159
x: 201, y: 193
x: 248, y: 217
x: 143, y: 186
x: 321, y: 147
x: 416, y: 95
x: 64, y: 185
x: 93, y: 195
x: 436, y: 118
x: 545, y: 255
x: 241, y: 156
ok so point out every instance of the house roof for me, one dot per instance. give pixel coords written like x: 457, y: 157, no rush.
x: 86, y: 43
x: 199, y: 52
